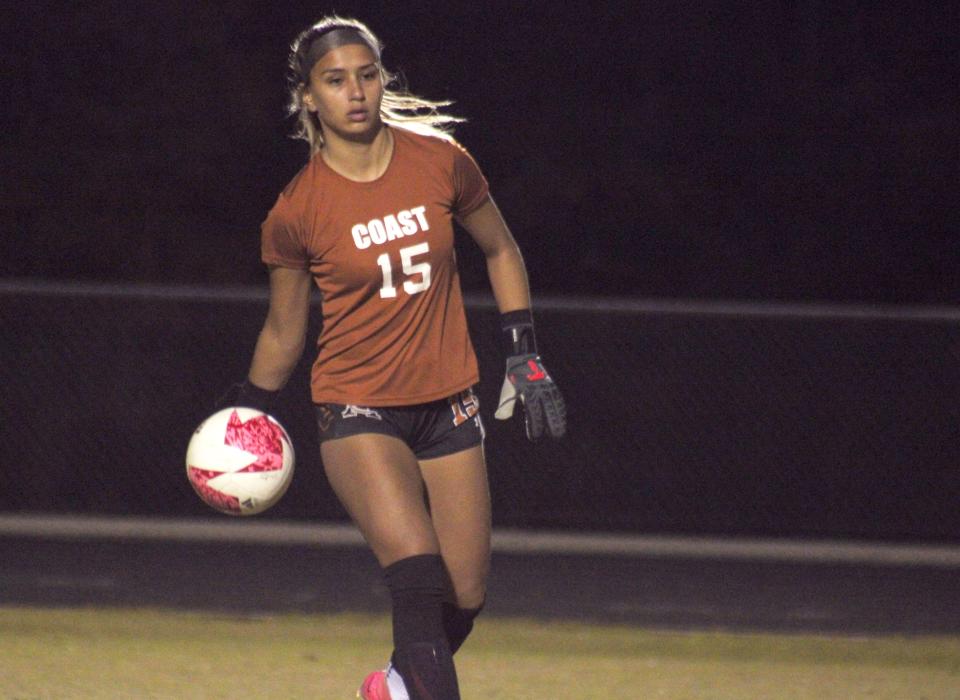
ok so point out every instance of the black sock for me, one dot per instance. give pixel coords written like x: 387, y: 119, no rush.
x: 427, y: 671
x: 458, y: 623
x: 421, y: 651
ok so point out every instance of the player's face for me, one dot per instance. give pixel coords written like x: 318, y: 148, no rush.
x: 345, y: 91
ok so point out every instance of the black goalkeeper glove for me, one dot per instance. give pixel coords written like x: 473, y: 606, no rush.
x: 249, y: 395
x: 527, y: 380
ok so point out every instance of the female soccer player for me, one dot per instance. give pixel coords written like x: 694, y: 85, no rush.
x: 369, y: 221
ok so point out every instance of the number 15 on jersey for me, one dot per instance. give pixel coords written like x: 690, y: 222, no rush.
x: 417, y: 274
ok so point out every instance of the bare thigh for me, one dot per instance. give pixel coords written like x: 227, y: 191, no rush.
x: 460, y: 509
x: 378, y: 481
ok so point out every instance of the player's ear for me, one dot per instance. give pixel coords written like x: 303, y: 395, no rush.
x: 307, y: 98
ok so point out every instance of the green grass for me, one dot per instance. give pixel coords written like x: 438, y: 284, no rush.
x: 93, y: 653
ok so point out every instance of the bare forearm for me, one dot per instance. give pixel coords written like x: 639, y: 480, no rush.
x: 284, y: 332
x: 274, y: 358
x: 508, y: 279
x: 505, y: 267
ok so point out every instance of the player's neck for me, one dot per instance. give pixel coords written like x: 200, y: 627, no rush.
x: 362, y: 161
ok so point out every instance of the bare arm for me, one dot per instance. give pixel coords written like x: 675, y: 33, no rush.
x: 508, y: 274
x: 283, y: 335
x: 526, y: 381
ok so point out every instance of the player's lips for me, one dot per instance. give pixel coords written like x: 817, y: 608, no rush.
x: 358, y: 115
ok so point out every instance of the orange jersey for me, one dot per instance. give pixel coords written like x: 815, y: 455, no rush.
x: 382, y: 254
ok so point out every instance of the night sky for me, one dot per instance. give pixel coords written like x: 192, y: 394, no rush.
x: 767, y: 150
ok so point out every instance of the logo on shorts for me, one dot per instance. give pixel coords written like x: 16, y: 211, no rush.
x: 351, y: 411
x: 464, y: 405
x: 324, y: 417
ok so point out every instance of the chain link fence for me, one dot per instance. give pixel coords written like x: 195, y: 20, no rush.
x: 685, y: 418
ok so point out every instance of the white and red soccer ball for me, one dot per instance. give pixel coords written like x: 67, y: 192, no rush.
x: 240, y: 461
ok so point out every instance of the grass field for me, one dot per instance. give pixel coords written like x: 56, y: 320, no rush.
x: 94, y: 653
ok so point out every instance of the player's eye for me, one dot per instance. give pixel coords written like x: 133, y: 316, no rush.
x: 371, y: 75
x: 334, y: 81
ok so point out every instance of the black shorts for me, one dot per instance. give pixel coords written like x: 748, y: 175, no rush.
x: 431, y: 430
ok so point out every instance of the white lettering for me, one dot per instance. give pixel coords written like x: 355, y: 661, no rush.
x: 418, y: 212
x: 393, y: 228
x: 377, y: 234
x: 360, y: 237
x: 352, y: 411
x: 406, y: 222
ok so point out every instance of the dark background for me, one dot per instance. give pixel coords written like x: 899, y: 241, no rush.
x: 764, y: 150
x: 767, y: 151
x: 759, y: 425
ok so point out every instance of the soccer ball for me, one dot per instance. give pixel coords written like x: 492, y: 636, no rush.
x: 240, y: 461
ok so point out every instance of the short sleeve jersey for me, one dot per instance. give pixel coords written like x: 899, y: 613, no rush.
x: 382, y: 254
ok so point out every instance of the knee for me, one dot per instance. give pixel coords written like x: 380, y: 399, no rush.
x: 471, y: 595
x: 402, y: 541
x: 468, y: 583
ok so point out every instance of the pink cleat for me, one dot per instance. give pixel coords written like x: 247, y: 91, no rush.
x: 374, y: 687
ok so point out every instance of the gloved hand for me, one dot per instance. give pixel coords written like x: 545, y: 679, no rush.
x: 247, y: 394
x: 543, y: 407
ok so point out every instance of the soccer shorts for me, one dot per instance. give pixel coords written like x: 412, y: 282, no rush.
x: 433, y: 429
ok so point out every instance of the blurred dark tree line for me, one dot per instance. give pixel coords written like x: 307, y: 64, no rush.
x: 775, y: 150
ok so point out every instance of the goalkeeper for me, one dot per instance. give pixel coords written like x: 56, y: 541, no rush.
x: 369, y: 222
